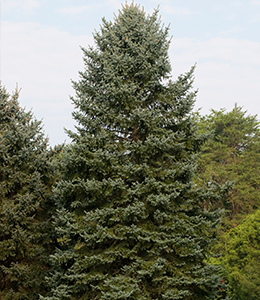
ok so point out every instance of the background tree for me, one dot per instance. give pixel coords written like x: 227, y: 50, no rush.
x: 233, y: 153
x: 241, y: 262
x: 129, y: 223
x: 25, y: 183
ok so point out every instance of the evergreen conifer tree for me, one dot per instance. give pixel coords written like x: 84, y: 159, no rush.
x: 25, y: 182
x: 233, y: 153
x: 129, y: 222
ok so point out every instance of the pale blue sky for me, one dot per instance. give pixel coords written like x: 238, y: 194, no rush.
x: 40, y: 50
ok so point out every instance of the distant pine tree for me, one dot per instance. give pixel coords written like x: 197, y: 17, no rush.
x: 233, y: 153
x: 129, y: 223
x: 25, y: 182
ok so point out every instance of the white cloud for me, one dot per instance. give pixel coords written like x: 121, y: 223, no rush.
x: 176, y: 10
x: 228, y: 71
x: 233, y: 51
x: 9, y: 5
x: 30, y: 4
x: 233, y: 30
x: 115, y: 4
x: 23, y: 4
x: 255, y: 2
x: 42, y: 61
x: 74, y: 9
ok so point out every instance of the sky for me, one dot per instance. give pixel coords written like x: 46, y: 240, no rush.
x: 40, y: 50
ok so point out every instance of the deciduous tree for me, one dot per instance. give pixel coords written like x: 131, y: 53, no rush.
x: 241, y: 262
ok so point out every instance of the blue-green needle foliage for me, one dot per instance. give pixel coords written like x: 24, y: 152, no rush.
x: 129, y: 223
x: 25, y: 181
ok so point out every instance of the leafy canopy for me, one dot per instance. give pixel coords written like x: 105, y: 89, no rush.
x: 241, y: 262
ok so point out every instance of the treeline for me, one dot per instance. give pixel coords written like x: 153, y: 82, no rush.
x: 149, y: 201
x: 232, y: 153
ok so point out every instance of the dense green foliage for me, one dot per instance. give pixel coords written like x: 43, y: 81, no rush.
x: 129, y: 222
x: 233, y: 153
x: 241, y: 262
x: 120, y: 203
x: 25, y: 181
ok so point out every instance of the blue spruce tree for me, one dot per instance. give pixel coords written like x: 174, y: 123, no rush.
x: 129, y: 222
x: 25, y: 205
